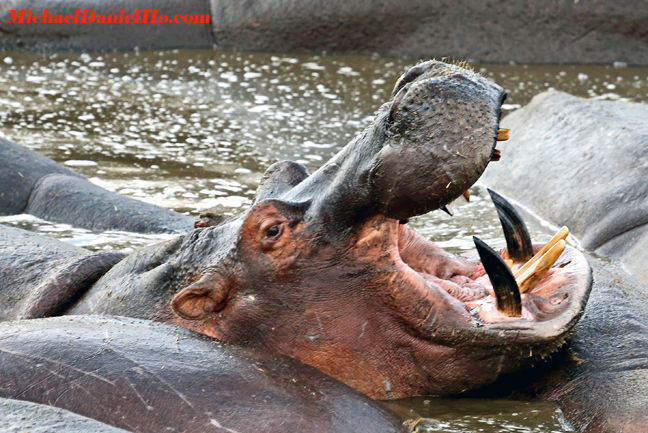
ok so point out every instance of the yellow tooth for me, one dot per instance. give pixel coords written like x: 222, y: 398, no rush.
x: 560, y: 235
x: 466, y: 195
x: 503, y: 134
x: 536, y: 272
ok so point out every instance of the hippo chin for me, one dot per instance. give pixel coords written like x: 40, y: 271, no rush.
x: 323, y: 268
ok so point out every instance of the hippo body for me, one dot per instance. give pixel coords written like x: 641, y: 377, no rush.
x: 41, y: 277
x: 600, y: 378
x: 600, y: 31
x: 36, y: 185
x: 584, y: 164
x: 601, y: 381
x: 148, y: 378
x: 17, y: 416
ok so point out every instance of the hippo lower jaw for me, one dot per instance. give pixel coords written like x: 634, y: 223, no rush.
x: 452, y: 310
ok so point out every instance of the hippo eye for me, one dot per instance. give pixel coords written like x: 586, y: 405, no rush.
x: 273, y: 231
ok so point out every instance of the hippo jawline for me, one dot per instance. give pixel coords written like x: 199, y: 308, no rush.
x: 445, y: 306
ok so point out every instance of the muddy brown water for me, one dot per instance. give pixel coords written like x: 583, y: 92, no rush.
x: 194, y: 130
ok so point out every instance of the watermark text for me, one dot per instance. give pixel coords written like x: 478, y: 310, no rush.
x: 90, y: 16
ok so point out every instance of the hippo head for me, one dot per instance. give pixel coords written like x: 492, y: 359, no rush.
x: 323, y: 267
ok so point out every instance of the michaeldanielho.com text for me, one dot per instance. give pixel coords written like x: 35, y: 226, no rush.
x: 90, y: 17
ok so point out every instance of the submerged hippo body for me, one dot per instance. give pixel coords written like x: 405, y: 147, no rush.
x: 600, y: 379
x: 41, y: 277
x: 322, y: 268
x: 601, y: 382
x: 149, y: 378
x: 36, y: 185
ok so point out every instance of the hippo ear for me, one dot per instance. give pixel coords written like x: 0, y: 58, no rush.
x: 202, y: 298
x: 280, y: 178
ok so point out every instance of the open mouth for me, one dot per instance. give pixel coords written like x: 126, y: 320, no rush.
x: 528, y: 294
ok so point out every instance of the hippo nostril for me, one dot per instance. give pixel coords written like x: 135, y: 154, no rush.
x: 410, y: 76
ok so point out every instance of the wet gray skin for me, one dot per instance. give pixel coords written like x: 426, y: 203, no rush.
x: 146, y: 377
x: 210, y: 126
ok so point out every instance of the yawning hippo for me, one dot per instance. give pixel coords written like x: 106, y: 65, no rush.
x: 323, y: 268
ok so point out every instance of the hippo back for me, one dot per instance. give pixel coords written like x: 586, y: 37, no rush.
x: 584, y: 164
x: 149, y: 377
x: 18, y: 416
x: 41, y: 276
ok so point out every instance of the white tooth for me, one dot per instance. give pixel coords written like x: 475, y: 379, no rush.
x: 560, y: 235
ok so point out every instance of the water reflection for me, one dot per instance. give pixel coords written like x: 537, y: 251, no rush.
x: 195, y: 129
x: 472, y: 415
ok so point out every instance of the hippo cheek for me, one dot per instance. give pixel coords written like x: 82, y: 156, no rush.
x: 269, y: 241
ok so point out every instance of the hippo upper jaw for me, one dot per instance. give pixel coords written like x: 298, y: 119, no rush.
x: 439, y: 136
x: 424, y: 149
